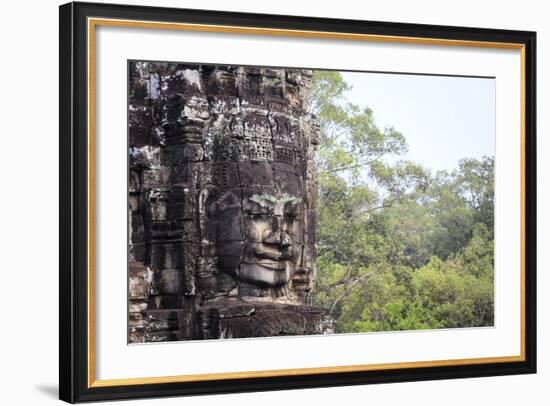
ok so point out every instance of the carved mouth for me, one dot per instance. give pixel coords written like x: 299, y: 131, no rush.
x: 272, y: 265
x: 274, y: 255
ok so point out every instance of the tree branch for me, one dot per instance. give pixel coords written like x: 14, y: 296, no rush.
x: 347, y: 288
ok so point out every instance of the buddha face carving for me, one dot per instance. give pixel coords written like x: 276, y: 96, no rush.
x: 273, y: 234
x: 259, y: 226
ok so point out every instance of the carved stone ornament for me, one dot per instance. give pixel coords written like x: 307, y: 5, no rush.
x: 222, y: 203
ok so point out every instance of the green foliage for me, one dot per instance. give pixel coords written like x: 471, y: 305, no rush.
x: 398, y: 247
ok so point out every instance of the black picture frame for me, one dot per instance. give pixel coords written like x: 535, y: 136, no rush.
x: 74, y: 383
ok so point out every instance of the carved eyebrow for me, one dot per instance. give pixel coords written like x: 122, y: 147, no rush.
x: 272, y: 201
x: 293, y: 202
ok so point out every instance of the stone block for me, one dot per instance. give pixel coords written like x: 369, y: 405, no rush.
x: 184, y: 82
x: 183, y: 209
x: 225, y: 283
x: 224, y: 105
x: 139, y: 280
x: 256, y: 126
x: 138, y: 91
x: 225, y: 175
x: 195, y: 108
x: 162, y: 325
x: 139, y: 136
x: 155, y: 205
x: 251, y: 85
x: 182, y: 230
x: 225, y: 148
x: 137, y: 228
x: 168, y: 281
x: 167, y: 255
x: 158, y: 178
x: 229, y: 225
x: 185, y: 174
x: 288, y: 183
x: 257, y: 148
x: 222, y: 81
x: 273, y: 84
x: 179, y: 154
x: 144, y: 157
x: 133, y: 202
x: 139, y: 116
x: 236, y: 319
x: 256, y: 173
x: 137, y: 252
x: 134, y: 183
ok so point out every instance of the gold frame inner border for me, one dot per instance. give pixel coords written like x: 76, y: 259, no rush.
x: 94, y: 22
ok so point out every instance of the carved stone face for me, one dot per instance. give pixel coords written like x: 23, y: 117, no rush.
x: 260, y: 227
x: 273, y: 233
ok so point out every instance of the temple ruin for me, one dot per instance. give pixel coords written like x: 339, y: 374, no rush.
x: 222, y: 203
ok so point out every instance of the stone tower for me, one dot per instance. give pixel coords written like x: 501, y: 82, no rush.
x: 222, y: 203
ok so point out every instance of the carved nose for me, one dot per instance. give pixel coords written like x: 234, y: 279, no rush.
x: 280, y: 238
x: 285, y: 239
x: 277, y: 235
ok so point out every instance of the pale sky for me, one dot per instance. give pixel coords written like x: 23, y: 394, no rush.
x: 442, y: 118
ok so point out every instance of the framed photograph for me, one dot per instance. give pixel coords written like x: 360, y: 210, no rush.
x: 256, y: 202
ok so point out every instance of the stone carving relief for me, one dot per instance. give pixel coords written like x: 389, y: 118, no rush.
x: 222, y: 202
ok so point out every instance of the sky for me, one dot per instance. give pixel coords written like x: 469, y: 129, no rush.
x: 442, y: 118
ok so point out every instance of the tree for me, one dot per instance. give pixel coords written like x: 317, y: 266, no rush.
x: 398, y: 248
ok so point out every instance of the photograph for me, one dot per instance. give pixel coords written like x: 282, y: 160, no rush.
x: 260, y: 202
x: 268, y: 201
x: 275, y: 203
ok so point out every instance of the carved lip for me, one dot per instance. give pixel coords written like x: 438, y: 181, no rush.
x: 274, y: 255
x: 272, y: 265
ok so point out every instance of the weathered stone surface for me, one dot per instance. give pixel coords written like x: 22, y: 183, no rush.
x: 182, y: 204
x: 137, y: 228
x: 185, y: 82
x: 139, y: 287
x: 234, y: 319
x: 139, y: 91
x: 169, y: 281
x: 156, y: 201
x: 139, y: 280
x: 167, y: 255
x: 144, y: 157
x: 134, y: 184
x: 163, y: 325
x: 221, y: 80
x: 137, y: 252
x: 158, y: 178
x: 184, y: 174
x: 187, y: 152
x: 222, y: 200
x: 256, y: 173
x: 288, y: 183
x: 139, y: 135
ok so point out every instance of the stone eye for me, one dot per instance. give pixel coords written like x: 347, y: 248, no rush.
x: 291, y: 214
x: 253, y: 207
x: 292, y: 210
